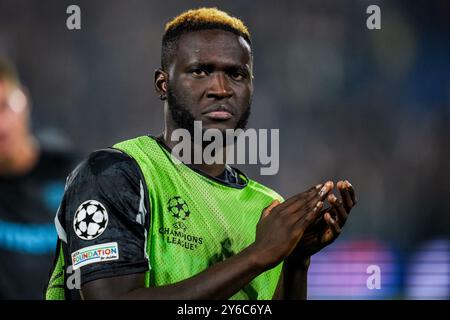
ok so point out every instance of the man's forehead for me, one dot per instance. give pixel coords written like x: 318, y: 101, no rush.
x: 213, y: 44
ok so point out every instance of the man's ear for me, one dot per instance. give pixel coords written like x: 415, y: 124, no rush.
x: 161, y: 78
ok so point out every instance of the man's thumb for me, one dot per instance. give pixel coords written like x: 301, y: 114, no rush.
x: 268, y: 209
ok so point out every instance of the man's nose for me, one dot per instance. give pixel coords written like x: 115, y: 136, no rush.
x: 219, y: 87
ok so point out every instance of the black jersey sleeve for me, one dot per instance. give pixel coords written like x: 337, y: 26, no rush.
x: 104, y: 217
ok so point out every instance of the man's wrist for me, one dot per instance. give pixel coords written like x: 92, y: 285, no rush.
x: 299, y: 263
x: 254, y: 259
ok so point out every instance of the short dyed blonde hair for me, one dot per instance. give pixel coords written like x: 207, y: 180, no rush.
x: 195, y: 20
x: 207, y: 16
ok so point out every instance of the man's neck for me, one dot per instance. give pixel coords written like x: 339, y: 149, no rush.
x: 214, y: 170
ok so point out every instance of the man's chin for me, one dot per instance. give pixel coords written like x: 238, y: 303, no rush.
x: 222, y: 127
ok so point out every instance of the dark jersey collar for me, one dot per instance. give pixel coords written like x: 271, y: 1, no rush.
x: 231, y: 177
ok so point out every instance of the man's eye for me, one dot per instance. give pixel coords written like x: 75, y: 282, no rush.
x: 198, y: 73
x: 237, y: 76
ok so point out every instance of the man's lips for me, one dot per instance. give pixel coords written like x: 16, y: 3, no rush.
x: 219, y: 115
x: 218, y: 112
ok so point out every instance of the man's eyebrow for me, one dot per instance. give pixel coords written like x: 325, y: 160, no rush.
x: 198, y: 64
x: 225, y: 66
x: 240, y: 67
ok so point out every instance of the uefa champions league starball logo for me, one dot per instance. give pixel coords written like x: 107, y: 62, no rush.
x: 91, y: 220
x: 179, y: 210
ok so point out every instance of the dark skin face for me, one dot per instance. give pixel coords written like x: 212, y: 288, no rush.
x: 211, y: 77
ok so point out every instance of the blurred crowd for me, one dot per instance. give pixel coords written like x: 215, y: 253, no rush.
x: 370, y: 106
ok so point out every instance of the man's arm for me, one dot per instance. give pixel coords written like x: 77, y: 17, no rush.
x: 295, y: 288
x: 278, y: 232
x: 293, y: 282
x: 220, y: 281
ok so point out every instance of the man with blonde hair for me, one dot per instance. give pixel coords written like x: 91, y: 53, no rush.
x: 137, y: 225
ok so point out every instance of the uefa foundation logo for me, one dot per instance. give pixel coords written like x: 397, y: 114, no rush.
x: 179, y: 209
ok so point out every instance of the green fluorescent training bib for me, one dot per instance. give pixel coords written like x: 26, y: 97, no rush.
x: 196, y: 221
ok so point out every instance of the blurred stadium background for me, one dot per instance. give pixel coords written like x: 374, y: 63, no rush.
x: 369, y: 106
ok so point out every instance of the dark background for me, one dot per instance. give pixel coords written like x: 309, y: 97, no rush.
x: 370, y: 106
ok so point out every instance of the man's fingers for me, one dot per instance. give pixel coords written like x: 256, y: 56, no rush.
x: 302, y: 207
x: 320, y: 222
x: 327, y: 187
x: 334, y: 226
x: 351, y: 190
x: 338, y: 207
x: 310, y: 217
x: 345, y: 195
x: 267, y: 210
x: 319, y: 197
x: 298, y: 201
x: 306, y: 195
x: 316, y: 187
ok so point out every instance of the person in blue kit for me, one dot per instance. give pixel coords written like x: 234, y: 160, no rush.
x: 32, y: 178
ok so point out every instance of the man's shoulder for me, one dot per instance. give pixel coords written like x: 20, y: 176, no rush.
x: 103, y: 159
x: 260, y: 188
x: 107, y: 162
